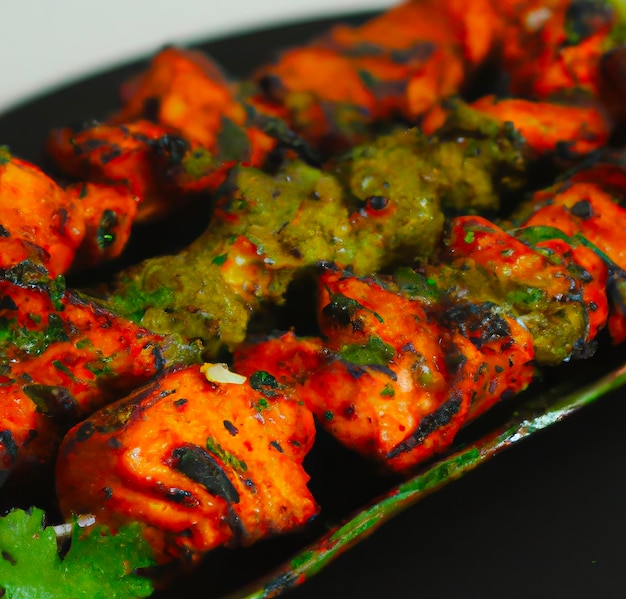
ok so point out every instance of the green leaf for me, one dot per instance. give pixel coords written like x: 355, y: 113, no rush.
x: 374, y: 352
x: 98, y: 564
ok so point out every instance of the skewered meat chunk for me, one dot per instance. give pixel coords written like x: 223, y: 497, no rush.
x: 395, y: 378
x: 547, y: 127
x: 397, y: 65
x: 180, y: 131
x: 551, y: 49
x: 397, y: 384
x: 62, y: 357
x: 76, y: 227
x: 182, y: 90
x: 197, y: 463
x: 556, y: 298
x: 588, y: 209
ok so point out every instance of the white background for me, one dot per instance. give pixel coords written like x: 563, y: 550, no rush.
x: 45, y: 43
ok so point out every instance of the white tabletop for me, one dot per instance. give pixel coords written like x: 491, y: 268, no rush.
x: 46, y: 43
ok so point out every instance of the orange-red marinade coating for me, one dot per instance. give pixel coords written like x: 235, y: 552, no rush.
x: 62, y: 357
x: 548, y: 127
x: 179, y: 132
x: 185, y: 91
x: 198, y: 464
x: 134, y: 156
x: 388, y: 398
x: 552, y: 294
x: 398, y: 64
x: 499, y: 358
x: 178, y: 87
x: 289, y: 358
x: 14, y: 251
x: 71, y: 226
x: 589, y: 205
x: 553, y: 47
x: 34, y: 208
x: 108, y: 213
x: 394, y: 382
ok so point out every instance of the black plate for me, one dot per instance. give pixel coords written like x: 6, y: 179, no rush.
x: 545, y: 519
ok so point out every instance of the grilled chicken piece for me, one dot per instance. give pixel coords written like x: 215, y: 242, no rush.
x: 588, y: 209
x: 180, y: 131
x: 197, y: 463
x: 76, y: 227
x: 395, y: 66
x: 62, y: 357
x: 557, y: 293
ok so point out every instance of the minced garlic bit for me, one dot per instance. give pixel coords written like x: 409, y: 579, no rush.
x: 219, y: 373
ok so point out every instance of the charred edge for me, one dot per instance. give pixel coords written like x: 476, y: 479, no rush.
x: 85, y: 431
x: 354, y: 370
x: 61, y: 218
x: 159, y: 359
x: 271, y: 85
x: 582, y: 209
x: 197, y: 464
x: 342, y: 309
x: 90, y: 145
x: 428, y: 425
x: 231, y: 428
x: 584, y: 17
x: 7, y: 441
x: 384, y: 369
x: 236, y: 526
x: 179, y: 496
x: 284, y: 135
x: 172, y: 148
x: 8, y: 303
x: 27, y: 274
x: 276, y: 446
x: 54, y: 401
x: 151, y: 108
x: 112, y: 154
x: 453, y: 358
x: 470, y: 319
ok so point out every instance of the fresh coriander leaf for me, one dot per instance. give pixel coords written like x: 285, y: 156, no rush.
x: 98, y: 564
x: 374, y: 352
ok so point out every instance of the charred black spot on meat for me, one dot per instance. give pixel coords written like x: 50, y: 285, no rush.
x: 54, y: 401
x: 582, y: 209
x: 200, y: 466
x: 172, y: 148
x: 231, y: 428
x: 429, y: 424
